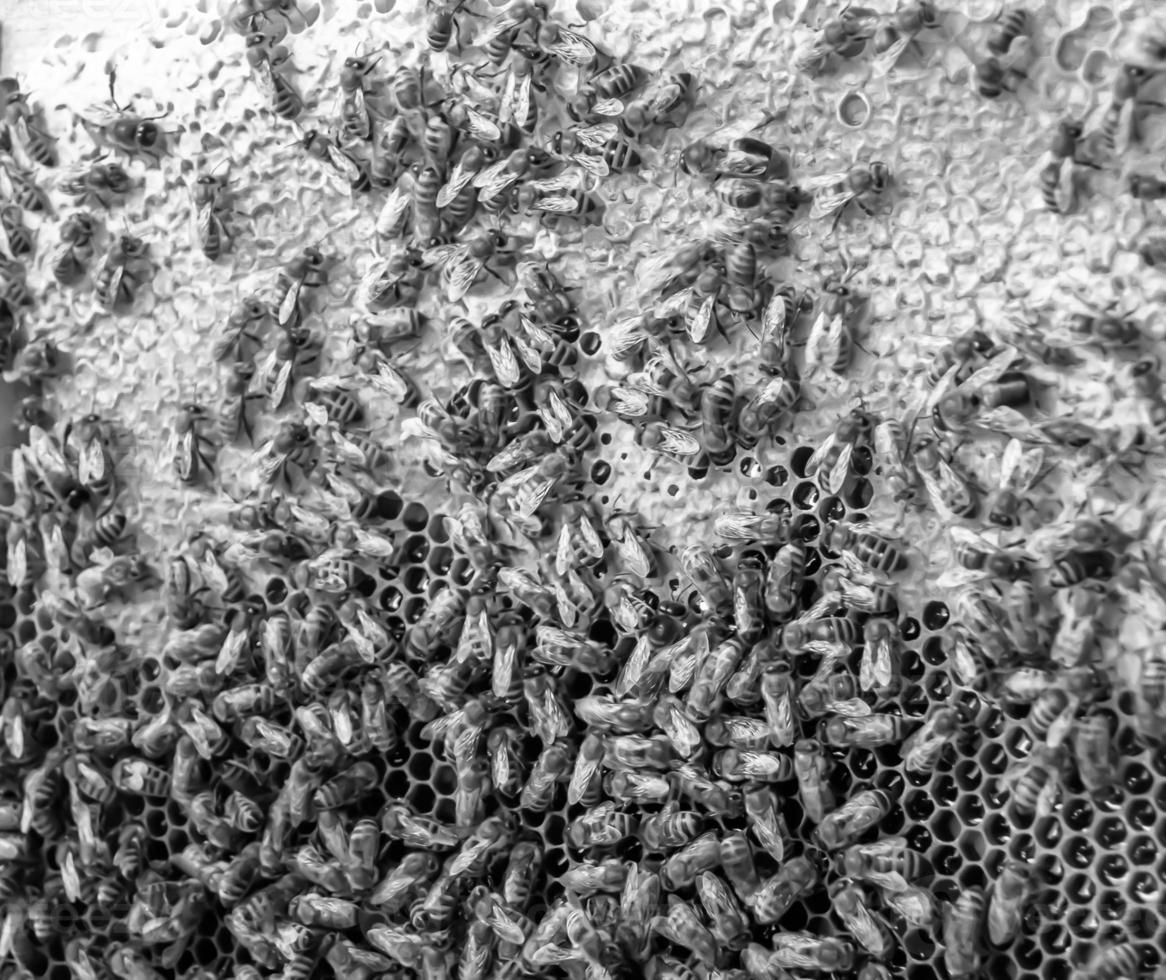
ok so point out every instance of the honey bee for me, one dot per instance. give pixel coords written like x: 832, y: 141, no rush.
x: 126, y: 270
x: 842, y: 37
x: 705, y: 573
x: 864, y: 185
x: 950, y: 493
x: 853, y: 818
x: 923, y: 747
x: 1095, y: 753
x: 1020, y: 471
x: 901, y: 31
x: 1035, y: 781
x: 14, y: 234
x: 962, y: 930
x: 682, y: 926
x: 833, y: 457
x: 1057, y: 176
x: 831, y: 340
x: 995, y: 76
x: 1110, y: 961
x: 1010, y: 891
x: 339, y: 161
x: 852, y: 906
x: 112, y: 127
x: 194, y: 453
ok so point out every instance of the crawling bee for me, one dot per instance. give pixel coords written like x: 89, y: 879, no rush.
x: 14, y: 234
x: 461, y: 264
x: 71, y: 259
x: 339, y: 161
x: 831, y: 340
x: 210, y: 207
x: 842, y: 37
x: 833, y: 457
x: 266, y: 61
x: 127, y: 268
x: 98, y: 185
x: 864, y: 185
x: 901, y: 31
x: 1057, y: 176
x: 112, y: 127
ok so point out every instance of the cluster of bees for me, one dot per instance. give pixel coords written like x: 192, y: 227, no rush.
x: 689, y: 743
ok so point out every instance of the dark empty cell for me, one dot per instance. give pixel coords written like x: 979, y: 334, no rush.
x: 972, y: 845
x: 421, y: 798
x: 1054, y: 939
x: 914, y: 701
x: 440, y: 560
x: 151, y: 700
x: 414, y: 608
x: 205, y: 952
x: 1047, y: 831
x: 436, y: 529
x: 795, y: 919
x: 134, y: 806
x: 415, y: 517
x: 935, y: 616
x: 813, y: 561
x: 805, y: 495
x: 1150, y: 958
x: 863, y: 764
x: 415, y: 579
x: 157, y: 851
x: 1111, y: 832
x: 601, y: 469
x: 938, y: 686
x: 1158, y: 760
x: 1018, y: 743
x: 919, y: 838
x: 554, y: 828
x: 420, y: 765
x: 993, y: 759
x: 396, y: 784
x: 1127, y: 740
x: 1144, y: 888
x: 933, y: 653
x: 673, y: 489
x: 555, y: 861
x: 945, y: 890
x: 1143, y: 850
x: 970, y: 809
x: 798, y: 460
x: 1111, y: 906
x: 944, y: 790
x: 945, y: 825
x: 25, y: 601
x: 1079, y: 888
x: 858, y: 493
x: 444, y: 779
x: 462, y: 572
x: 1082, y: 923
x: 415, y: 549
x: 777, y: 476
x: 445, y: 811
x: 967, y: 775
x: 1113, y: 869
x: 275, y: 591
x: 176, y: 840
x: 389, y: 505
x: 946, y: 860
x: 831, y: 509
x: 972, y: 876
x: 7, y: 615
x: 749, y: 468
x: 1137, y: 778
x: 1022, y: 846
x: 26, y: 631
x: 1028, y: 953
x: 909, y: 629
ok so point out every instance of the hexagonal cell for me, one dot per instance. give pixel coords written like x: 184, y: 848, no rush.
x: 415, y: 517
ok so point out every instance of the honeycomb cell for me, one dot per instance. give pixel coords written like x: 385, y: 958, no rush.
x: 858, y: 494
x: 26, y: 631
x: 798, y: 460
x: 1022, y: 847
x: 440, y: 560
x: 1018, y: 743
x: 415, y: 516
x: 993, y: 759
x: 1047, y: 831
x: 1079, y: 888
x: 415, y: 549
x: 933, y: 653
x: 1078, y: 813
x: 972, y: 845
x: 935, y: 616
x: 970, y: 809
x: 1136, y: 778
x: 415, y: 580
x: 967, y: 775
x: 275, y: 591
x: 831, y: 509
x: 7, y: 615
x: 1111, y: 832
x: 909, y: 629
x: 805, y: 495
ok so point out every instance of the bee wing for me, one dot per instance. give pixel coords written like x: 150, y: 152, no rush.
x: 482, y: 127
x: 458, y: 179
x: 395, y: 212
x: 625, y: 336
x: 822, y: 330
x: 229, y: 653
x: 773, y: 321
x: 17, y: 568
x: 955, y: 578
x: 597, y: 137
x: 557, y: 205
x: 851, y: 708
x: 91, y: 462
x: 971, y: 539
x: 495, y: 178
x: 886, y: 60
x: 569, y: 180
x: 504, y: 362
x: 698, y: 324
x: 279, y: 387
x: 629, y: 402
x: 348, y: 168
x: 634, y: 557
x: 608, y: 107
x: 564, y: 554
x: 530, y: 496
x: 529, y: 355
x: 555, y: 428
x: 876, y: 668
x: 678, y: 442
x: 572, y: 48
x: 819, y: 455
x: 840, y: 470
x: 348, y: 450
x: 1007, y: 421
x: 515, y: 103
x: 594, y: 165
x: 47, y: 457
x: 460, y: 273
x: 289, y: 306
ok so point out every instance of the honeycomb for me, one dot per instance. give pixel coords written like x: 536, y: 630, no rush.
x: 965, y: 242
